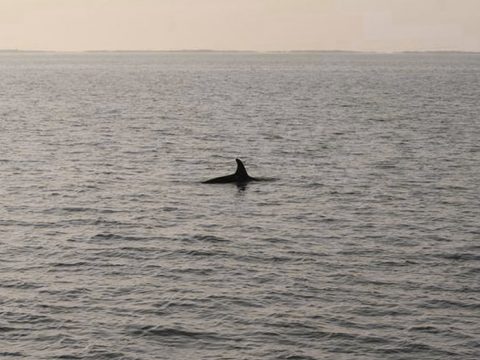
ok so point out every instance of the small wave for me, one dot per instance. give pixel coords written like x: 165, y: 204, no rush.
x: 169, y: 332
x: 206, y: 238
x: 276, y: 240
x: 448, y: 304
x: 426, y: 329
x: 111, y: 236
x: 6, y: 329
x: 76, y: 209
x: 11, y: 354
x: 200, y: 252
x: 202, y: 272
x: 28, y: 319
x: 460, y: 256
x: 299, y: 357
x: 105, y: 236
x: 74, y: 264
x: 19, y: 285
x: 68, y: 357
x: 419, y: 348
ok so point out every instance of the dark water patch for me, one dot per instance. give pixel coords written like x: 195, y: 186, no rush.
x: 357, y: 251
x: 68, y: 210
x: 276, y: 240
x: 439, y: 238
x: 177, y: 334
x: 100, y: 354
x: 391, y: 263
x: 200, y: 253
x: 446, y: 331
x: 327, y: 335
x: 205, y: 238
x: 292, y: 325
x: 117, y: 237
x: 28, y: 319
x: 460, y: 256
x: 111, y: 211
x: 376, y: 283
x: 112, y: 222
x: 72, y: 264
x: 378, y: 311
x: 386, y: 165
x: 170, y: 208
x: 422, y: 349
x: 55, y: 308
x: 449, y: 304
x: 64, y: 294
x: 35, y: 224
x: 426, y: 329
x: 297, y: 357
x: 473, y: 246
x: 174, y: 303
x: 78, y: 222
x: 472, y: 271
x: 11, y: 354
x: 77, y: 209
x: 196, y: 271
x: 20, y: 285
x: 140, y: 249
x: 4, y: 329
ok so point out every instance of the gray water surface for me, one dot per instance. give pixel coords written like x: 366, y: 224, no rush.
x: 366, y: 246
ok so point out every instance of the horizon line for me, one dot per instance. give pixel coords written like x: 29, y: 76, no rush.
x: 236, y: 51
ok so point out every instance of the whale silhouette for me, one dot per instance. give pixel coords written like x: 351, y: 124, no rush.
x: 239, y: 177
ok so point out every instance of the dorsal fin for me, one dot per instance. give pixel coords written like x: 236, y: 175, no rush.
x: 241, y: 171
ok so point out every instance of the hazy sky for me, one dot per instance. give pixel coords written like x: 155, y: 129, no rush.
x: 379, y: 25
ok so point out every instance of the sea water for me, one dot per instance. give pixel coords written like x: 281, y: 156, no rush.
x: 365, y: 246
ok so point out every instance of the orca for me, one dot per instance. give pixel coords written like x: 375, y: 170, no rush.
x: 239, y: 177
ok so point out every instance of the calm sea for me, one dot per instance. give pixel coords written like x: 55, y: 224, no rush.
x: 366, y: 245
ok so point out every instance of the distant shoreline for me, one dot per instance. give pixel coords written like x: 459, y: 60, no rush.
x: 208, y: 51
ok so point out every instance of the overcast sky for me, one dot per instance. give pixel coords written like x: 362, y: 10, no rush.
x: 371, y: 25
